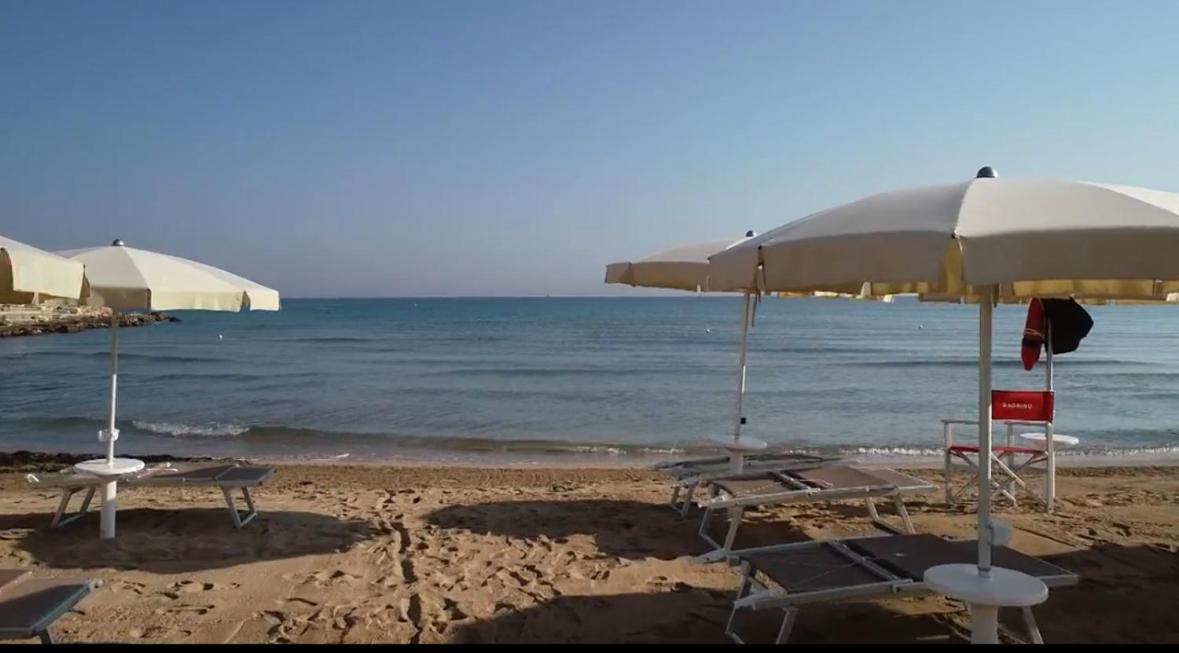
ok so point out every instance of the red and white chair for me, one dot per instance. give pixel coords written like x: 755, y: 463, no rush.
x: 1013, y: 408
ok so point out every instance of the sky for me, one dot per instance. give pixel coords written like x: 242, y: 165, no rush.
x: 496, y: 147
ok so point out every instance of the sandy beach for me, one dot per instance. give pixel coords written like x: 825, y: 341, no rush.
x: 387, y: 554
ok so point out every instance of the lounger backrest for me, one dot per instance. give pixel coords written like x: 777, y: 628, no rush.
x: 812, y: 569
x: 911, y: 555
x: 843, y: 476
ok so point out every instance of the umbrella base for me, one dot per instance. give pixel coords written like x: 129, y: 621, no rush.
x: 985, y: 595
x: 737, y: 448
x: 109, y: 471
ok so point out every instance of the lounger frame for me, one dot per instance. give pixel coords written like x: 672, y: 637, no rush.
x: 734, y: 507
x: 164, y: 476
x: 756, y: 595
x: 688, y: 476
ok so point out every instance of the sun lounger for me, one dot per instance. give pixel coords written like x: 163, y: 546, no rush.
x: 29, y: 606
x: 789, y: 576
x: 231, y: 478
x: 687, y: 476
x: 732, y: 495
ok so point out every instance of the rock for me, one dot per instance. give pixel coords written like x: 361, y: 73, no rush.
x: 38, y: 320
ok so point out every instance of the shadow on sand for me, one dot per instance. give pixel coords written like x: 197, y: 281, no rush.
x: 179, y: 541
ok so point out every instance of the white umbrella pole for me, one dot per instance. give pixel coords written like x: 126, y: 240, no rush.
x: 739, y: 421
x: 985, y: 312
x: 110, y: 425
x: 738, y: 459
x: 1050, y: 427
x: 109, y: 488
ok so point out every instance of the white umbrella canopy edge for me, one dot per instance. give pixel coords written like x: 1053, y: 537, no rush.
x: 28, y: 274
x: 1029, y: 237
x: 128, y: 279
x: 679, y: 268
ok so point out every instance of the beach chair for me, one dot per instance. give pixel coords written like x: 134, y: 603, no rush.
x: 733, y: 495
x: 687, y: 476
x: 231, y: 478
x: 789, y: 576
x: 30, y: 606
x: 1009, y: 460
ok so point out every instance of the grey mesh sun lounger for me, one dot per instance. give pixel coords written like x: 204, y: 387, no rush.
x: 687, y: 476
x: 789, y: 576
x: 732, y: 495
x: 30, y: 606
x: 231, y: 478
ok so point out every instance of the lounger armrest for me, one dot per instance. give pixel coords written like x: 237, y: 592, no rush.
x: 781, y: 598
x: 792, y: 496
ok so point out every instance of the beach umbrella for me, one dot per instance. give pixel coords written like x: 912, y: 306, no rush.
x: 983, y: 240
x: 687, y: 268
x: 28, y: 275
x: 128, y: 279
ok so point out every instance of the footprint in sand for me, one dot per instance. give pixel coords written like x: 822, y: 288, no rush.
x: 294, y: 600
x: 192, y: 587
x: 127, y: 586
x: 179, y: 609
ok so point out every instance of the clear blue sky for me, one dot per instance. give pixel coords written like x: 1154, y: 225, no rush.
x: 492, y: 147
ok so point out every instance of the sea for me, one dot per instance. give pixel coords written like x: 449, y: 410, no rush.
x: 618, y: 381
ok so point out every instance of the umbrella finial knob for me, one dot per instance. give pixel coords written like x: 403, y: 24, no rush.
x: 750, y: 234
x: 118, y: 242
x: 986, y: 172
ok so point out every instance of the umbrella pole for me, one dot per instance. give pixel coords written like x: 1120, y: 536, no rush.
x: 985, y: 314
x: 111, y: 432
x: 106, y: 529
x: 738, y: 459
x: 1050, y: 427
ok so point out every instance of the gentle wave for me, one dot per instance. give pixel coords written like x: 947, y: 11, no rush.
x: 322, y: 439
x: 213, y: 430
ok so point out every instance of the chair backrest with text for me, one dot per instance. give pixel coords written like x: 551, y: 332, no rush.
x: 1023, y: 405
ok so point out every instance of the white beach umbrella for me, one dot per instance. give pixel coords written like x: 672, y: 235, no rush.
x: 983, y: 240
x: 679, y: 268
x: 687, y: 268
x: 128, y: 279
x: 28, y: 274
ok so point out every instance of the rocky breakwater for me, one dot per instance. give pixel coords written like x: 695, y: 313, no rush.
x: 39, y: 320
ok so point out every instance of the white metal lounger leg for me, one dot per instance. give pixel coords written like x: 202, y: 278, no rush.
x: 746, y: 586
x: 873, y: 514
x: 904, y: 513
x: 691, y: 494
x: 240, y: 519
x: 787, y: 625
x: 720, y: 551
x: 949, y: 465
x: 59, y: 518
x: 735, y: 517
x: 1033, y: 629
